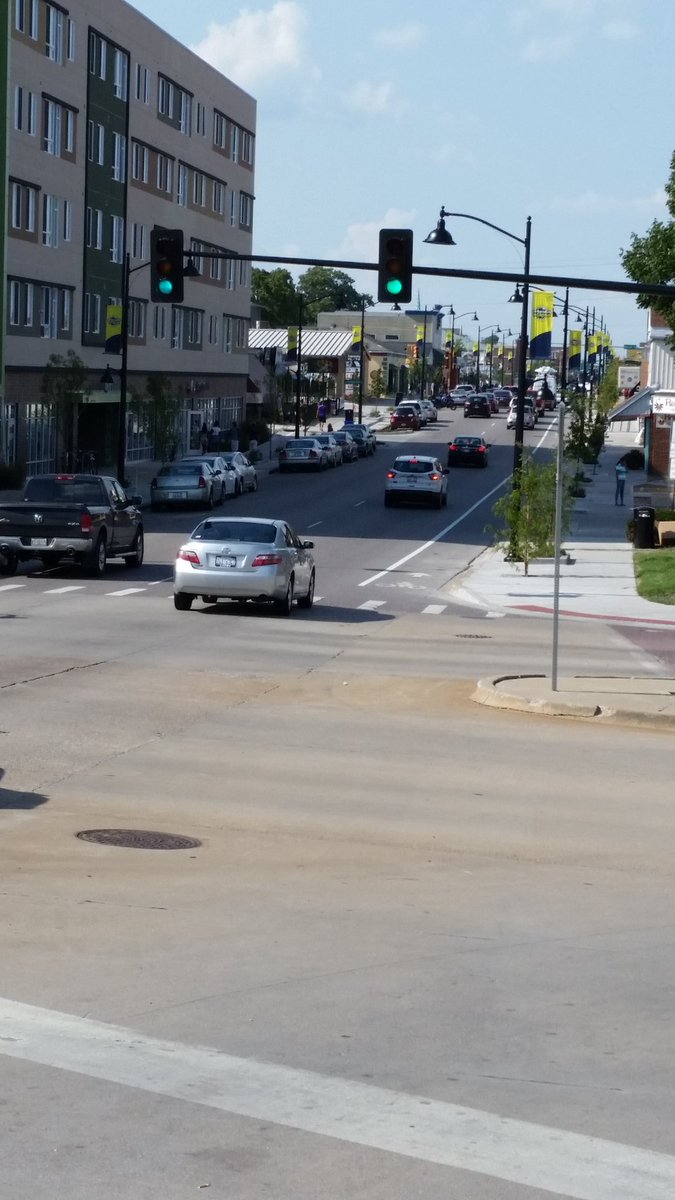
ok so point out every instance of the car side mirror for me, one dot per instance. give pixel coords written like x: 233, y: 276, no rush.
x: 308, y: 545
x: 137, y: 500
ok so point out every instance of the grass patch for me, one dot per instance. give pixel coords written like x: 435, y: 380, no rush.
x: 655, y: 575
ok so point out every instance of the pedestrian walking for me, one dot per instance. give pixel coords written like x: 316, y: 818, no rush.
x: 322, y: 413
x: 620, y: 472
x: 204, y: 438
x: 215, y: 436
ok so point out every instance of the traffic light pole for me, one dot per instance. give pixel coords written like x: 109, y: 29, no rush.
x: 122, y: 429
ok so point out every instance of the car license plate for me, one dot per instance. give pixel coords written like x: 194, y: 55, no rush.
x: 177, y: 495
x: 39, y: 541
x: 295, y: 453
x: 222, y: 560
x: 465, y: 449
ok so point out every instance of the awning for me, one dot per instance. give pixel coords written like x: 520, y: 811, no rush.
x: 639, y: 405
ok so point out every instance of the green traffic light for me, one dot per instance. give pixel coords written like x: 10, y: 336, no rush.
x: 165, y: 286
x: 394, y: 287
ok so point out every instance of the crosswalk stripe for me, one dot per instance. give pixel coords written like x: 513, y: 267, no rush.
x: 434, y: 609
x: 9, y: 587
x: 74, y: 587
x: 125, y: 592
x: 369, y: 605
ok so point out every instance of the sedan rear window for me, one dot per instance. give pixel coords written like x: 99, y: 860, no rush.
x: 301, y: 442
x: 468, y: 441
x: 235, y: 531
x: 182, y: 469
x: 413, y: 466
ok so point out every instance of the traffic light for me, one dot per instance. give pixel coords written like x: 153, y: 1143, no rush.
x: 166, y: 265
x: 394, y: 270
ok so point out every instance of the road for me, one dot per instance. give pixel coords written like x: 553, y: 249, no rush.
x: 422, y: 947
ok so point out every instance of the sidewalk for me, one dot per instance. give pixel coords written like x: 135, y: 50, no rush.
x: 597, y: 582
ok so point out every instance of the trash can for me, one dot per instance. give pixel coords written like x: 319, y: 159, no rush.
x: 643, y: 534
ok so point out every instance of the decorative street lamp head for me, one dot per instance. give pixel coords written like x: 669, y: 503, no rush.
x: 440, y: 236
x: 517, y: 297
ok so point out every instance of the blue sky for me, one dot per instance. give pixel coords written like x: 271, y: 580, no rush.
x: 374, y: 113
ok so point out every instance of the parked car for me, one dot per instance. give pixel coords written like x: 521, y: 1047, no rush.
x: 333, y: 448
x: 350, y: 450
x: 226, y: 477
x: 528, y: 415
x: 243, y: 558
x: 477, y: 405
x: 430, y: 409
x: 493, y: 401
x: 404, y: 416
x: 371, y: 437
x: 468, y: 451
x: 244, y: 469
x: 179, y: 483
x: 503, y: 396
x: 365, y: 440
x: 416, y: 476
x: 304, y: 452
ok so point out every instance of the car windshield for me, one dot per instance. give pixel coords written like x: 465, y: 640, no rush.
x: 326, y: 439
x: 468, y: 441
x: 235, y: 531
x: 341, y: 437
x: 63, y: 491
x: 413, y: 466
x: 303, y: 442
x: 182, y: 469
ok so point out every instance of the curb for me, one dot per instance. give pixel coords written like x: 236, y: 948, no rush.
x: 490, y: 693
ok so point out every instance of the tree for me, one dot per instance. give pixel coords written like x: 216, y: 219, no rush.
x: 651, y: 259
x: 326, y: 289
x: 527, y: 512
x: 64, y: 385
x: 159, y: 413
x: 378, y: 383
x: 276, y: 294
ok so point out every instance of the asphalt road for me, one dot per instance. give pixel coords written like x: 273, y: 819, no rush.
x: 422, y: 947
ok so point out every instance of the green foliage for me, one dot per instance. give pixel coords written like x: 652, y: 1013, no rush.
x: 64, y: 384
x: 378, y: 383
x: 651, y: 259
x: 608, y: 393
x: 276, y: 293
x: 527, y: 512
x: 158, y: 413
x: 326, y: 289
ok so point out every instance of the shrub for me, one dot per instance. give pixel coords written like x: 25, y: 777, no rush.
x: 634, y: 460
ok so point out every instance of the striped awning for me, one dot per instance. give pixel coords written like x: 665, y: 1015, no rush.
x: 316, y: 343
x: 639, y: 405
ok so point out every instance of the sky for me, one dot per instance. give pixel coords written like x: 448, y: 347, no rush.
x: 375, y: 113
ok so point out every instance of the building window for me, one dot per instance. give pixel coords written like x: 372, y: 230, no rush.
x: 199, y: 189
x: 137, y: 240
x: 243, y: 272
x: 165, y: 96
x: 21, y: 303
x: 140, y: 159
x: 51, y: 137
x: 49, y: 299
x: 200, y: 119
x: 194, y: 327
x: 66, y: 309
x: 26, y: 17
x: 120, y: 74
x: 231, y: 273
x: 164, y: 173
x: 50, y: 220
x: 182, y: 185
x: 185, y: 113
x: 70, y: 40
x: 227, y: 334
x: 213, y: 330
x: 97, y: 55
x: 159, y: 323
x: 245, y: 210
x: 53, y: 33
x: 94, y: 228
x: 143, y: 82
x: 246, y: 147
x: 234, y: 143
x: 69, y: 143
x: 91, y: 313
x: 241, y: 333
x: 219, y: 130
x: 117, y: 239
x: 119, y: 163
x: 25, y: 111
x: 67, y: 227
x: 95, y: 143
x: 24, y: 205
x: 136, y: 319
x: 177, y: 317
x: 216, y: 268
x: 218, y: 198
x: 233, y: 207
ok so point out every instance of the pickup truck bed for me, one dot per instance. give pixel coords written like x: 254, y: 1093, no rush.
x: 84, y: 519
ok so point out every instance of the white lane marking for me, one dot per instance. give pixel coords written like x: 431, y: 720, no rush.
x: 154, y: 582
x: 369, y: 605
x: 434, y: 609
x: 73, y: 587
x: 125, y: 592
x: 315, y: 525
x: 432, y: 541
x: 451, y: 1135
x: 9, y: 587
x: 358, y: 503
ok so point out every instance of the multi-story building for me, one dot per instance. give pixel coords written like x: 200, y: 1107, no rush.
x: 115, y: 127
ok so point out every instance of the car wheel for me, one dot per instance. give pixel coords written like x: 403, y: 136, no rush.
x: 283, y: 607
x: 445, y: 498
x: 254, y: 484
x: 182, y: 601
x: 439, y: 500
x: 237, y: 490
x: 9, y: 564
x: 136, y: 559
x: 155, y: 507
x: 388, y: 500
x: 223, y: 493
x: 97, y: 559
x: 209, y: 501
x: 308, y: 600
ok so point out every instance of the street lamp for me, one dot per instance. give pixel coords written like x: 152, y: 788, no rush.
x: 487, y: 329
x: 456, y: 317
x: 441, y: 237
x: 504, y: 337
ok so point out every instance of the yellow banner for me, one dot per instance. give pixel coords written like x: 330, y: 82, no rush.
x: 420, y: 333
x: 356, y: 334
x: 592, y: 343
x: 541, y: 325
x: 575, y: 344
x: 113, y: 320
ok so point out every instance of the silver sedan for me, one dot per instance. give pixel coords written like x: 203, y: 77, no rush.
x: 226, y: 476
x: 244, y: 558
x: 184, y: 483
x: 246, y: 474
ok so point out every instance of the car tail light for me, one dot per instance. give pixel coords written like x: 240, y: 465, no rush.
x: 480, y: 449
x: 190, y: 556
x: 267, y: 560
x: 391, y: 474
x: 202, y: 481
x: 62, y: 477
x: 452, y: 446
x: 86, y: 523
x: 434, y: 475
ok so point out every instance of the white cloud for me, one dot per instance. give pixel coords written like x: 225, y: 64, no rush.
x: 401, y: 37
x: 620, y: 30
x: 372, y: 99
x: 257, y: 44
x: 547, y: 49
x: 361, y: 239
x: 594, y: 203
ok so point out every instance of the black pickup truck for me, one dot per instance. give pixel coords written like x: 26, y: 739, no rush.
x: 84, y: 519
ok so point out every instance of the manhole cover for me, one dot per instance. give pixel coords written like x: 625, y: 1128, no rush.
x: 486, y: 637
x: 138, y: 839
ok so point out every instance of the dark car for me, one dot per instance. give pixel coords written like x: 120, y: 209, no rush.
x: 405, y: 417
x: 477, y: 406
x: 364, y: 442
x: 468, y: 451
x: 503, y: 396
x: 350, y: 450
x: 494, y: 402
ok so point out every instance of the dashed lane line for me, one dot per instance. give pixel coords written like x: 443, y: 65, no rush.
x: 125, y: 591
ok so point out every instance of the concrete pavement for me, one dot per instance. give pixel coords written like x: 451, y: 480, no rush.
x: 597, y: 583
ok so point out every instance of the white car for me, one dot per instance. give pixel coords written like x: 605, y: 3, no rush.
x: 430, y: 409
x: 528, y: 415
x: 247, y: 476
x: 416, y: 476
x: 334, y: 448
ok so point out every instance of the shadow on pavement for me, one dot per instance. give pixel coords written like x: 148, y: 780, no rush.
x: 320, y: 612
x: 20, y: 800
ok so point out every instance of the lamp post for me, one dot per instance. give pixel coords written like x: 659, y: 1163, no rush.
x: 441, y: 237
x: 424, y: 355
x: 487, y: 329
x: 456, y: 317
x: 504, y: 337
x: 361, y: 362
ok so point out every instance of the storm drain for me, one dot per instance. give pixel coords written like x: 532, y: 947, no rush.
x: 138, y: 839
